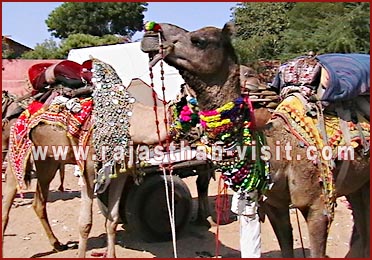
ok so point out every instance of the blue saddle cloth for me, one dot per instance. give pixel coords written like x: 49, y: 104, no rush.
x: 348, y: 75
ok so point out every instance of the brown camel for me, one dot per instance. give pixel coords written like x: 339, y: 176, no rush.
x: 207, y: 61
x: 142, y: 131
x: 11, y: 109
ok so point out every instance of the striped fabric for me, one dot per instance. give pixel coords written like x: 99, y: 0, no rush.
x: 349, y: 75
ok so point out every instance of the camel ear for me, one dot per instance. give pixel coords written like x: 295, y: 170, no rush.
x: 229, y: 29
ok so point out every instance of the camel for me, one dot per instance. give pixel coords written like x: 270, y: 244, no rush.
x: 207, y: 61
x: 11, y: 109
x: 142, y: 130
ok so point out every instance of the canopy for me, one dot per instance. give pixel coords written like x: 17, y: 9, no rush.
x: 130, y: 62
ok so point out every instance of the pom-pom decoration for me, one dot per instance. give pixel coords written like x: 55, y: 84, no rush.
x: 152, y: 26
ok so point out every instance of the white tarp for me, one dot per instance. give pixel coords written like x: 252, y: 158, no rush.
x: 130, y: 62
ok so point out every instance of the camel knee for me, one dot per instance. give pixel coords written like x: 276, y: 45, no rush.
x: 111, y: 227
x: 84, y: 230
x: 39, y: 209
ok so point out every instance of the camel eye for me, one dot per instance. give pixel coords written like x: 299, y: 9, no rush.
x: 199, y: 43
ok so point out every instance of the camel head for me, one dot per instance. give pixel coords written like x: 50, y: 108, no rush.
x: 205, y: 58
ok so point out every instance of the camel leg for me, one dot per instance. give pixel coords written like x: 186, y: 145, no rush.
x: 46, y: 171
x: 62, y: 175
x: 280, y: 221
x: 202, y: 184
x: 115, y: 191
x: 356, y: 245
x: 360, y: 239
x: 85, y: 217
x: 9, y: 194
x: 317, y: 224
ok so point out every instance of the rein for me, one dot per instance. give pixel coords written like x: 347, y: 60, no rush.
x: 170, y: 207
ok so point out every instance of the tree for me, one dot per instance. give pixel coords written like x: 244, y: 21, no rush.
x: 286, y: 30
x: 79, y: 40
x: 328, y: 27
x: 50, y: 49
x: 96, y: 18
x: 259, y: 26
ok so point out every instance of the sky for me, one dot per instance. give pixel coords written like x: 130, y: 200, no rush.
x: 24, y: 22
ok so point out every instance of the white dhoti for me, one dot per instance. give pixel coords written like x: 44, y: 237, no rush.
x: 245, y: 206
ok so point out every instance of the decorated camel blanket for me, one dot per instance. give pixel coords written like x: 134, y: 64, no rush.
x: 55, y: 114
x: 307, y: 130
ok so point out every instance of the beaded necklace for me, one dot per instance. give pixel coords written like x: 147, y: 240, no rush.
x: 232, y: 126
x: 185, y: 116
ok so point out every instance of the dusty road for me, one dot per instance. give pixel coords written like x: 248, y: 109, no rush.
x: 25, y: 238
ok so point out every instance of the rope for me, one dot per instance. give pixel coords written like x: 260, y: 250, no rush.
x: 155, y: 106
x: 170, y: 207
x: 220, y: 206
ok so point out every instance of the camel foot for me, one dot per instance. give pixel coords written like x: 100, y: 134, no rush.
x: 202, y: 222
x: 58, y: 247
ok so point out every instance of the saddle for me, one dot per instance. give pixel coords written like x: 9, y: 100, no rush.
x: 67, y: 73
x: 6, y: 100
x: 8, y: 111
x: 143, y: 93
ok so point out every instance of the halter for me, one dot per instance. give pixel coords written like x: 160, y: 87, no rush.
x: 230, y: 125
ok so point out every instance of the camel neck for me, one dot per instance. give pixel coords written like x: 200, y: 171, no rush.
x: 214, y: 92
x: 226, y: 122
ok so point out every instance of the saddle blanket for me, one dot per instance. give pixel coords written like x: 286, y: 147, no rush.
x: 36, y: 113
x: 305, y: 128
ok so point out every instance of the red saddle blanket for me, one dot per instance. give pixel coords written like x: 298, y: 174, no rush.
x: 20, y: 145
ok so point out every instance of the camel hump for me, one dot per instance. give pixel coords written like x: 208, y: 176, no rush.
x: 142, y: 92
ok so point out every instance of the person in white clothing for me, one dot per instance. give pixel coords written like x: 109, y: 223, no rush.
x: 245, y: 205
x: 77, y: 172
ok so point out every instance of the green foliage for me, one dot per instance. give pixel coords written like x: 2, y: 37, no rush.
x: 86, y: 24
x: 261, y: 18
x: 259, y: 26
x: 75, y: 41
x: 257, y: 47
x: 328, y: 27
x: 96, y: 18
x: 49, y: 49
x: 285, y: 30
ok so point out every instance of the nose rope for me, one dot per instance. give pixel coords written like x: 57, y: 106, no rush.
x: 152, y: 26
x: 171, y: 209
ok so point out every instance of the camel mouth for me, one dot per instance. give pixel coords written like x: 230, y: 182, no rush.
x: 160, y: 54
x: 150, y: 45
x: 154, y: 58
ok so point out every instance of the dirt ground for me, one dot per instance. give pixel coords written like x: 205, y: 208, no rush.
x: 25, y: 237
